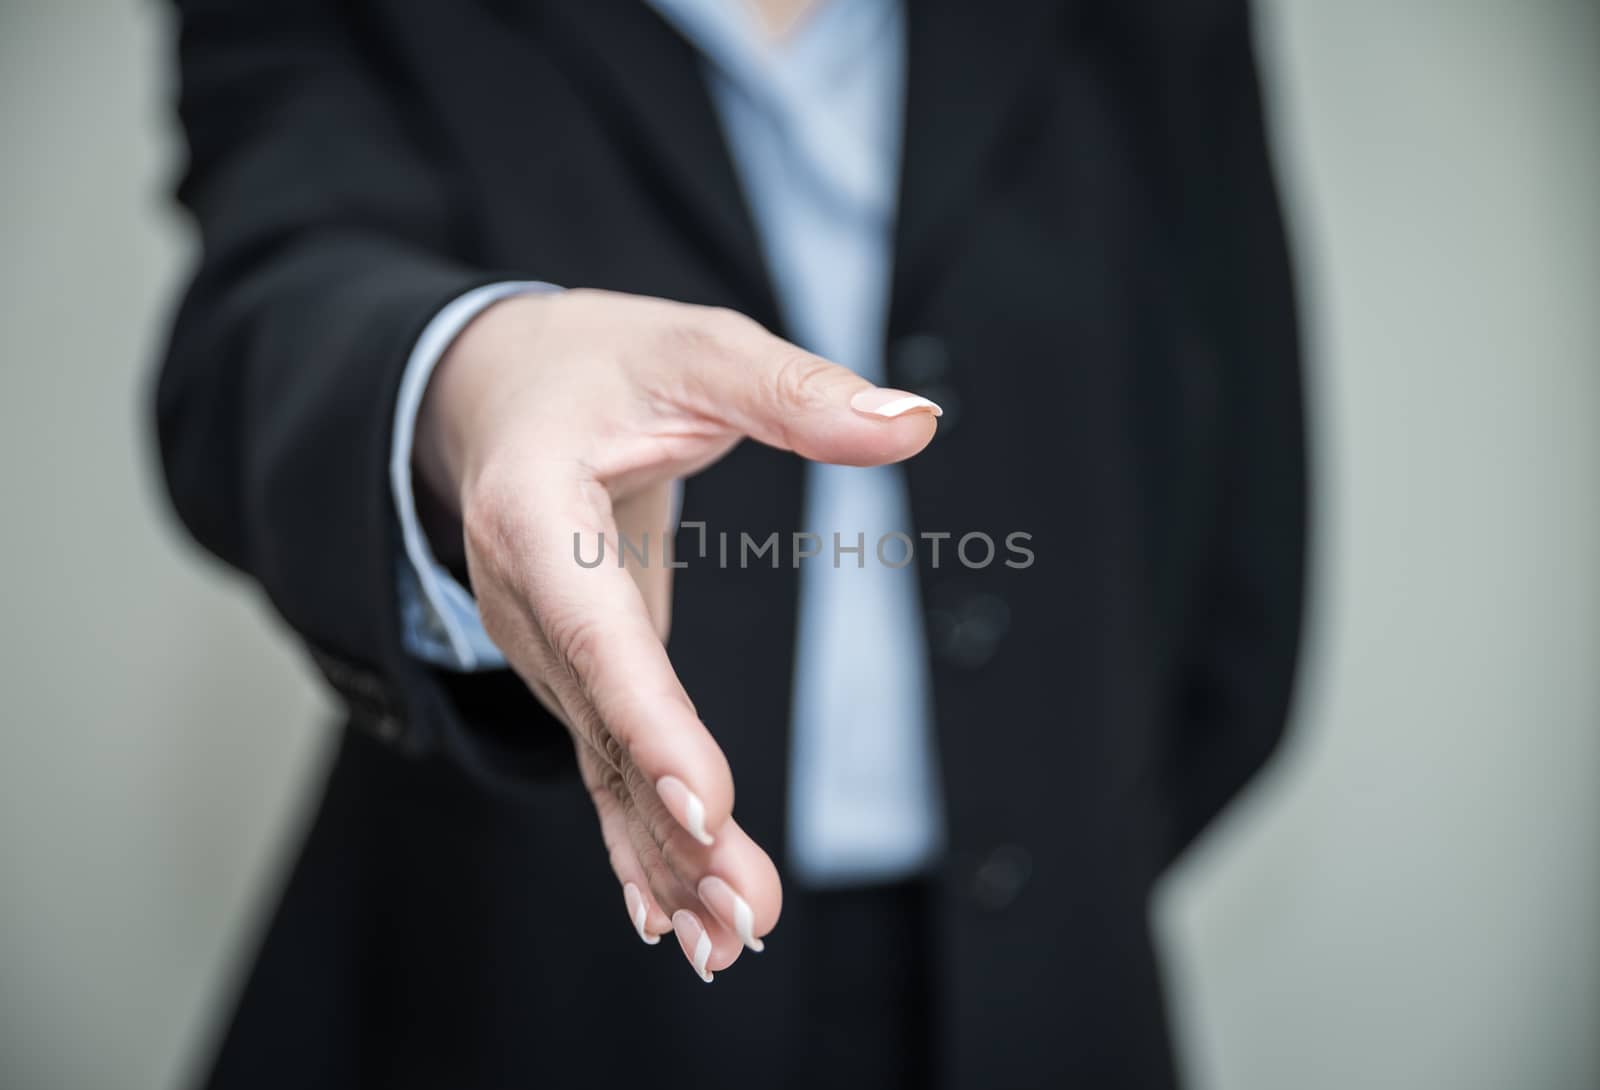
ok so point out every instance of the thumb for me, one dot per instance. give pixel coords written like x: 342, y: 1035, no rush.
x: 785, y: 397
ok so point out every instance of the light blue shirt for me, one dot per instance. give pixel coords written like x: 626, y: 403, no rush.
x: 813, y: 121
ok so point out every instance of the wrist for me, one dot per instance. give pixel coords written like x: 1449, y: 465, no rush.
x: 436, y: 455
x: 455, y: 415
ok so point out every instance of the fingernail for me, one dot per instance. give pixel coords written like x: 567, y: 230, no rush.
x: 694, y: 940
x: 638, y: 912
x: 684, y: 805
x: 891, y: 403
x: 731, y: 909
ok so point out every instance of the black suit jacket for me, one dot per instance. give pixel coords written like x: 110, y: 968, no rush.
x: 1089, y: 268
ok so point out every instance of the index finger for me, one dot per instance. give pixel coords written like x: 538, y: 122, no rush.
x: 612, y: 663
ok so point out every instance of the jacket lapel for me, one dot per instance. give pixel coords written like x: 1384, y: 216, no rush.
x: 967, y: 64
x: 648, y: 77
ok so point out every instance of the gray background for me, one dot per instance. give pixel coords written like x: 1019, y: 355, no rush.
x: 1409, y: 900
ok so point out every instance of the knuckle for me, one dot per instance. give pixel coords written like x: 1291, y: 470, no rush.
x: 616, y: 786
x: 653, y: 863
x: 800, y: 382
x: 638, y: 783
x: 576, y: 643
x: 656, y: 874
x: 668, y: 847
x: 612, y: 750
x: 587, y: 727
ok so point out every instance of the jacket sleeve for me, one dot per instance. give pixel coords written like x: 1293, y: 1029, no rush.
x: 327, y: 242
x: 1237, y: 658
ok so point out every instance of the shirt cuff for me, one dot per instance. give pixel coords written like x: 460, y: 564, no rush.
x: 438, y: 615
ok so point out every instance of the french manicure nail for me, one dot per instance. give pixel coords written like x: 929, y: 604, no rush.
x: 694, y: 940
x: 889, y: 404
x: 731, y: 909
x: 686, y: 806
x: 638, y: 912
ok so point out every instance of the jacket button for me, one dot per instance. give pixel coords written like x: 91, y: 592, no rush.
x: 366, y: 697
x: 388, y: 728
x: 920, y: 363
x: 967, y: 632
x: 999, y: 879
x: 919, y: 359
